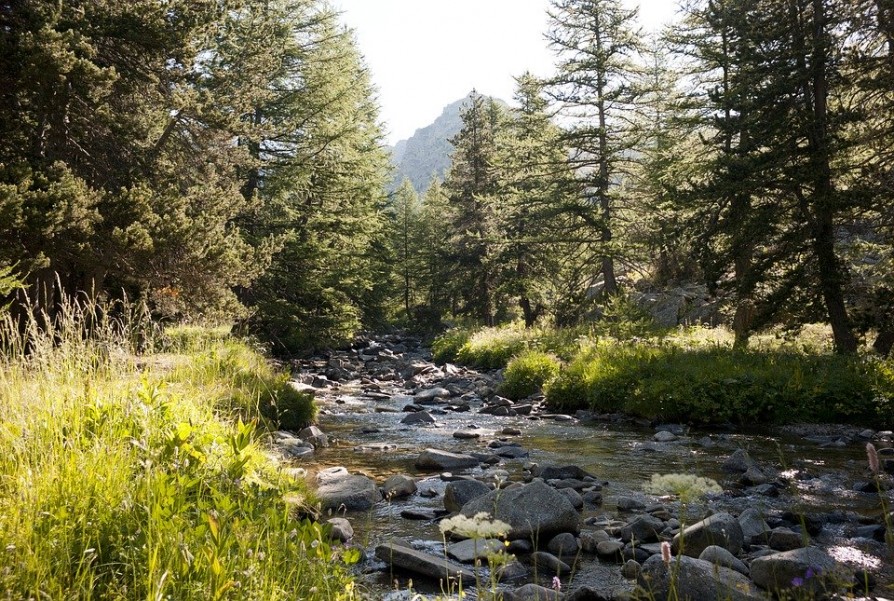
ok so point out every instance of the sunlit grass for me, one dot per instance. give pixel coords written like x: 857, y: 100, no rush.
x: 128, y: 476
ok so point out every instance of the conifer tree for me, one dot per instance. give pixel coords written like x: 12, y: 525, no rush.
x: 595, y: 42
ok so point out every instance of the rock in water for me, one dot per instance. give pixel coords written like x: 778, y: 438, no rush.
x: 337, y: 488
x: 532, y: 510
x: 425, y: 564
x: 460, y: 492
x: 808, y: 569
x: 436, y: 460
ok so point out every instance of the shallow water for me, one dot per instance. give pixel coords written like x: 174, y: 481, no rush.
x: 820, y: 480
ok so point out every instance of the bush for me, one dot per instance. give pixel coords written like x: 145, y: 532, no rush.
x: 445, y: 348
x: 527, y: 373
x: 717, y: 385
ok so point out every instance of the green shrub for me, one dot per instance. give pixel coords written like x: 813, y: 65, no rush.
x: 492, y: 348
x: 445, y: 348
x: 723, y: 385
x: 688, y: 487
x: 527, y: 373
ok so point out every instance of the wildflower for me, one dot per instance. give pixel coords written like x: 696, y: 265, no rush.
x: 666, y: 552
x: 478, y: 526
x: 797, y: 581
x: 872, y: 454
x: 557, y: 584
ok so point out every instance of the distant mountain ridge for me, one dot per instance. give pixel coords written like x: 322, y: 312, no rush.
x: 426, y: 154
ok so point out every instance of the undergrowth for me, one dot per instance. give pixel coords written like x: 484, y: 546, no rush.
x: 684, y: 374
x: 144, y: 477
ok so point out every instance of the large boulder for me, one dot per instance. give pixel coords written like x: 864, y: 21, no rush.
x: 460, y: 492
x: 402, y: 557
x: 436, y: 460
x: 694, y: 579
x: 720, y: 529
x: 418, y: 418
x: 563, y: 472
x: 808, y: 569
x: 336, y: 488
x: 314, y: 436
x: 533, y: 510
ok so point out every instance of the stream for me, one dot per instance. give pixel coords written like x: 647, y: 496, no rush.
x: 813, y: 473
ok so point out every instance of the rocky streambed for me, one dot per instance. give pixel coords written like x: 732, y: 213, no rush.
x: 589, y: 500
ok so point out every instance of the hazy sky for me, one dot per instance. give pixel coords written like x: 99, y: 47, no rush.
x: 425, y: 54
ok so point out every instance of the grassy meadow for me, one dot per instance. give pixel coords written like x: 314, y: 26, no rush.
x: 143, y: 475
x: 690, y: 374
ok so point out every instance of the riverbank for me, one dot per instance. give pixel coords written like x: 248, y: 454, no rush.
x: 690, y: 375
x: 128, y: 475
x: 415, y: 439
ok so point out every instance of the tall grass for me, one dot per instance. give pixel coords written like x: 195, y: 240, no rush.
x: 129, y: 476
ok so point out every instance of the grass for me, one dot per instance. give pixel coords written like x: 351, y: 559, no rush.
x: 684, y: 374
x: 145, y: 477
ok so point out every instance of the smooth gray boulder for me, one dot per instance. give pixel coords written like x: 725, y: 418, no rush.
x: 431, y: 566
x: 399, y: 486
x: 694, y: 579
x: 643, y: 529
x: 549, y: 563
x: 563, y: 472
x: 720, y: 529
x: 431, y: 395
x: 808, y: 569
x: 564, y: 545
x: 436, y: 460
x: 467, y: 551
x: 339, y: 489
x: 341, y: 529
x: 460, y: 492
x: 754, y: 527
x: 314, y: 436
x: 533, y: 510
x: 721, y: 557
x: 418, y: 418
x: 783, y: 539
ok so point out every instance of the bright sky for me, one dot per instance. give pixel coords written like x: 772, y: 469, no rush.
x: 425, y: 54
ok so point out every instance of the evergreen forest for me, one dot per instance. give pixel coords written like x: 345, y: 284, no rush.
x: 221, y: 160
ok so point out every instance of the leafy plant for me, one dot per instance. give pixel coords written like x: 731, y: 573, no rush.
x: 528, y: 372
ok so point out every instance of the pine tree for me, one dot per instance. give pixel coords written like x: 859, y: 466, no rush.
x: 471, y: 185
x: 595, y: 42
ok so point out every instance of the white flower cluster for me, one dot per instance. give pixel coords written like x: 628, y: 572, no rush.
x: 479, y: 526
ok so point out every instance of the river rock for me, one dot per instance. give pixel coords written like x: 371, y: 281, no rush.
x: 337, y: 488
x: 564, y: 472
x: 573, y: 496
x: 460, y: 492
x: 531, y: 510
x: 398, y: 486
x: 721, y: 557
x: 629, y: 504
x: 314, y: 436
x: 754, y: 528
x: 431, y: 566
x: 783, y: 539
x: 808, y: 569
x: 432, y: 395
x: 467, y: 551
x: 739, y: 461
x: 533, y: 592
x: 341, y: 529
x: 643, y: 529
x: 417, y: 418
x: 550, y: 563
x: 466, y: 434
x: 436, y: 460
x: 610, y: 550
x: 694, y: 579
x: 720, y: 529
x: 563, y: 545
x: 664, y: 436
